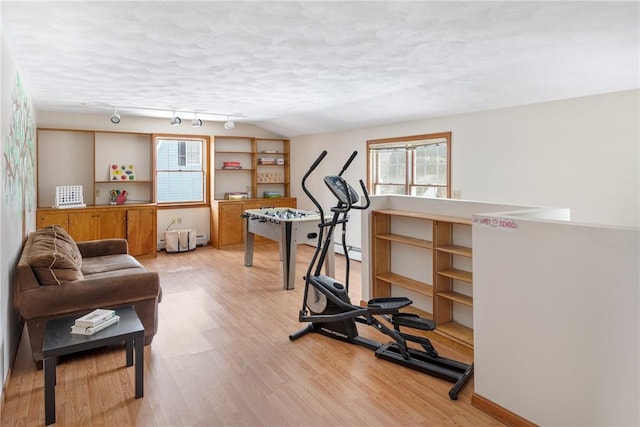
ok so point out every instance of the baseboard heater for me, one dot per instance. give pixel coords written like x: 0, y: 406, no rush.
x: 354, y: 253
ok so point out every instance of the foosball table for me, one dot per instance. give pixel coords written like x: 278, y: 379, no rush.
x: 289, y: 227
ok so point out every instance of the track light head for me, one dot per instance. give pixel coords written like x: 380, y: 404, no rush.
x: 229, y: 124
x: 115, y: 117
x: 196, y: 123
x: 175, y: 121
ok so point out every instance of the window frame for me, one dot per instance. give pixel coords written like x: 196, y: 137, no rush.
x: 206, y: 146
x: 406, y: 143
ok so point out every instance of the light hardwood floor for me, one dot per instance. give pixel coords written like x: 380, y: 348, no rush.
x: 222, y: 357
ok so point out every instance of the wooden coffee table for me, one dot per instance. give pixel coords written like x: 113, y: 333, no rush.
x: 59, y: 341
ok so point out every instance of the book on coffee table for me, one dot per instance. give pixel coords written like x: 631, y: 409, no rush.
x: 96, y: 317
x: 90, y: 330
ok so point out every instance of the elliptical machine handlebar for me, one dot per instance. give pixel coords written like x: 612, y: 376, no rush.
x: 304, y: 181
x: 365, y: 193
x: 348, y: 162
x: 316, y: 163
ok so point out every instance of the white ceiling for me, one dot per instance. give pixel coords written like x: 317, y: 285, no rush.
x: 311, y: 67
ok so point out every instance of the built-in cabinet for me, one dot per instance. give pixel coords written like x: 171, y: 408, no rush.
x: 427, y: 256
x: 250, y: 165
x: 82, y: 157
x: 227, y: 223
x: 86, y: 158
x: 136, y: 223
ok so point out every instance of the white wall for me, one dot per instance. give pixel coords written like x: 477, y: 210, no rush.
x: 197, y: 218
x: 557, y: 326
x: 582, y: 154
x: 556, y: 311
x: 17, y: 205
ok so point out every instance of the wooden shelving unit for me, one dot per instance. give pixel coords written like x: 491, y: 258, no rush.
x: 453, y: 283
x: 253, y: 178
x: 447, y: 249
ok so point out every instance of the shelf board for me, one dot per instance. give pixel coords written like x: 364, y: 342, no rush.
x: 454, y: 273
x: 234, y: 170
x: 421, y: 243
x: 457, y: 297
x: 139, y: 181
x: 456, y: 250
x: 457, y: 332
x: 422, y: 215
x: 234, y: 152
x: 407, y: 283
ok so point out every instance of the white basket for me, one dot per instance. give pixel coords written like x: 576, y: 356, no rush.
x: 180, y: 240
x: 69, y: 196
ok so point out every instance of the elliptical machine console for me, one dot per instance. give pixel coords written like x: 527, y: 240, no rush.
x: 328, y: 310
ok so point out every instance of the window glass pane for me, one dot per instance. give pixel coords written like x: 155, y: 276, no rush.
x: 179, y: 170
x: 431, y: 164
x: 392, y: 166
x: 389, y: 189
x: 180, y: 187
x: 428, y: 191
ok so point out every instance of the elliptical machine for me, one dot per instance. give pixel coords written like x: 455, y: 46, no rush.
x: 327, y: 308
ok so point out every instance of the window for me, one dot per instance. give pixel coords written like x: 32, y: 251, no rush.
x: 180, y: 170
x: 416, y: 165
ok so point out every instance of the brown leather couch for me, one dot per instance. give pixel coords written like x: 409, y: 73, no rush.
x: 57, y: 277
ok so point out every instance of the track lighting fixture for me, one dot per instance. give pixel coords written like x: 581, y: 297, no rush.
x: 175, y: 121
x: 115, y: 117
x: 175, y: 118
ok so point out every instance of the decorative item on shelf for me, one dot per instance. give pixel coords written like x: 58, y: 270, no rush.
x: 121, y: 172
x: 231, y: 165
x: 269, y: 178
x: 271, y: 194
x: 69, y: 196
x: 266, y: 161
x: 118, y: 197
x: 279, y: 162
x: 269, y: 151
x: 236, y: 195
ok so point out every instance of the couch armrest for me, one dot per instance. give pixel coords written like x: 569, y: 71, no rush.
x: 93, y: 248
x: 70, y: 297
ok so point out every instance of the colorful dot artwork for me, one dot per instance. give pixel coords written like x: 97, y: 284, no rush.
x: 122, y: 172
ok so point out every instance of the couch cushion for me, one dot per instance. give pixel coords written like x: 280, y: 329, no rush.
x: 54, y: 256
x: 108, y: 264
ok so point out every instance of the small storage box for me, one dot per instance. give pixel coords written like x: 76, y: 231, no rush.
x: 238, y: 195
x: 179, y: 241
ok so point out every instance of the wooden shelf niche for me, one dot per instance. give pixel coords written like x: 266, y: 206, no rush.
x: 427, y: 258
x: 402, y: 258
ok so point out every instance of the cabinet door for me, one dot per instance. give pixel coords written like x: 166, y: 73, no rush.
x: 45, y: 219
x: 84, y: 225
x: 113, y: 224
x: 141, y: 231
x: 230, y: 224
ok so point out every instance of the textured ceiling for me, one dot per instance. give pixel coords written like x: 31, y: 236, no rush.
x: 309, y: 67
